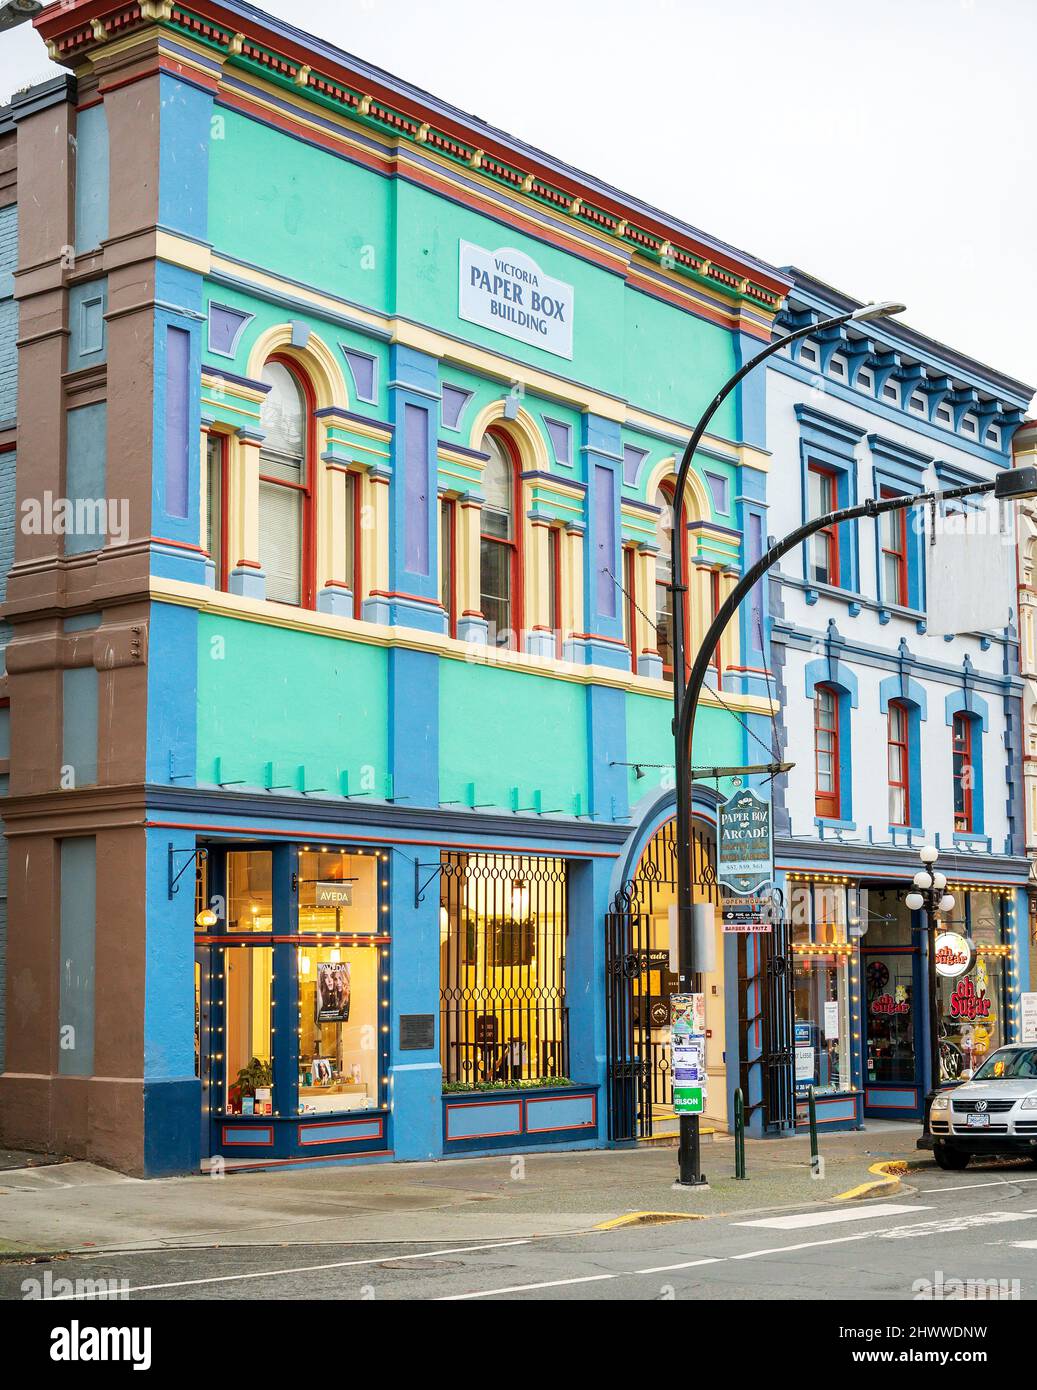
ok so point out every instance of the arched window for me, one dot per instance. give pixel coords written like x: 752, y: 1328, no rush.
x: 500, y: 569
x: 826, y: 752
x: 286, y: 486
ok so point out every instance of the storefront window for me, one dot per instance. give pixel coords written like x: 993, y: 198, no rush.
x: 248, y: 979
x: 503, y: 927
x: 890, y: 1004
x: 338, y: 891
x: 972, y: 1006
x: 339, y: 1035
x: 820, y: 915
x: 822, y: 1033
x: 249, y: 891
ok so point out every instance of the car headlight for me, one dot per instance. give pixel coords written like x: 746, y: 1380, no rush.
x: 1030, y: 1103
x: 942, y: 1103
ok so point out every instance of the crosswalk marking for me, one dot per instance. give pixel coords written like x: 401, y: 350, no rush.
x: 829, y: 1218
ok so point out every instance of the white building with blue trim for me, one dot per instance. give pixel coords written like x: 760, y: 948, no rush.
x: 900, y: 735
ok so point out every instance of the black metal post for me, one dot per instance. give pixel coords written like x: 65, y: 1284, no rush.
x: 934, y: 1004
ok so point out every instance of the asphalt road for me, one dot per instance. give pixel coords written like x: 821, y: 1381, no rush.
x: 980, y: 1225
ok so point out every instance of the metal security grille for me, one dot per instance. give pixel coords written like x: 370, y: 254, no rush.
x: 639, y: 981
x: 503, y: 928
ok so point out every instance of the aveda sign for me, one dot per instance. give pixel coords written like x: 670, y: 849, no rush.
x: 506, y: 291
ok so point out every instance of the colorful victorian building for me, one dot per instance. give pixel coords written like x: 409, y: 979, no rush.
x: 903, y: 733
x: 1025, y: 449
x: 336, y: 621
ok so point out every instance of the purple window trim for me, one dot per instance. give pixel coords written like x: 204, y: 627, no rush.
x: 364, y: 369
x: 605, y: 539
x: 226, y: 326
x: 452, y: 405
x: 416, y: 490
x: 561, y: 439
x: 633, y: 457
x: 178, y: 406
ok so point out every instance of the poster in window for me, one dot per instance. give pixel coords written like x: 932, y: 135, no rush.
x: 333, y: 991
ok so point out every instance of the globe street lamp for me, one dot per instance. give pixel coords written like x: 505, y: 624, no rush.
x: 930, y: 895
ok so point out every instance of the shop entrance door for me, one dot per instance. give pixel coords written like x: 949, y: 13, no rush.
x: 894, y: 1048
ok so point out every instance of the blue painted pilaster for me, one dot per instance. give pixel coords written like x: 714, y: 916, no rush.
x: 602, y: 640
x: 606, y: 752
x: 172, y: 1092
x: 585, y: 952
x: 413, y: 598
x: 415, y: 1078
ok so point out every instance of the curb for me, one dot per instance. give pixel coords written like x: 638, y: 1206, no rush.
x: 889, y: 1170
x: 648, y: 1218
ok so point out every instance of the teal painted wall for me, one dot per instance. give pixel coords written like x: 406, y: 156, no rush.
x: 267, y: 694
x: 504, y: 729
x: 392, y: 246
x: 719, y: 741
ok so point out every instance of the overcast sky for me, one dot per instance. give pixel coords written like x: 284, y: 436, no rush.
x: 888, y: 148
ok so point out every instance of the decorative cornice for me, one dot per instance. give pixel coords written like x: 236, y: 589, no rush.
x: 248, y: 40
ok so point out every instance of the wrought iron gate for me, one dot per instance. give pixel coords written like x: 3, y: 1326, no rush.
x: 639, y: 982
x: 766, y: 1017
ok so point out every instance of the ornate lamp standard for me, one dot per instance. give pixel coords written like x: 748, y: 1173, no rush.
x: 931, y: 897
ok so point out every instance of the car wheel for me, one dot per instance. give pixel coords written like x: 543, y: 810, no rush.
x: 951, y: 1159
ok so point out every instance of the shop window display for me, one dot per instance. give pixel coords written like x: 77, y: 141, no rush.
x: 972, y: 1005
x: 248, y: 1070
x: 820, y: 916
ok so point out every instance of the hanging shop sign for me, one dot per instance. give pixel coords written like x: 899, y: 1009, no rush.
x: 334, y: 893
x: 747, y: 913
x: 688, y: 1052
x: 745, y: 859
x: 505, y: 290
x: 968, y: 1002
x: 953, y: 954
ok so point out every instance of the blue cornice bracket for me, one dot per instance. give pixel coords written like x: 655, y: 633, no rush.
x: 857, y: 351
x: 963, y: 400
x: 911, y: 379
x: 830, y: 342
x: 883, y: 364
x: 937, y: 388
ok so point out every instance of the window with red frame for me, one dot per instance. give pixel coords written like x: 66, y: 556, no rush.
x: 897, y: 748
x: 216, y: 504
x: 500, y: 550
x: 893, y: 532
x: 664, y: 500
x: 554, y: 586
x: 353, y: 549
x: 961, y: 752
x: 717, y: 661
x: 630, y: 602
x: 448, y: 561
x: 823, y: 546
x: 286, y: 499
x: 826, y: 752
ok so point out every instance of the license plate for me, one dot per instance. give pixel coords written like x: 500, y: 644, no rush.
x: 977, y: 1121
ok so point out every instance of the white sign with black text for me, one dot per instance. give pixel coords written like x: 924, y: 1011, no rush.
x: 506, y: 291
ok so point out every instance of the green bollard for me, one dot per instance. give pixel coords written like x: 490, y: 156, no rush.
x: 815, y: 1161
x: 739, y: 1107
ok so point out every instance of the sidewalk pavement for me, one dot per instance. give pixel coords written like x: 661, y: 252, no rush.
x: 78, y: 1206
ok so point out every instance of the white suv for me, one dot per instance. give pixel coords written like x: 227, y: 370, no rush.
x: 994, y: 1113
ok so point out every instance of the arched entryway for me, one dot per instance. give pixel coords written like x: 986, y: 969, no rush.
x: 640, y: 980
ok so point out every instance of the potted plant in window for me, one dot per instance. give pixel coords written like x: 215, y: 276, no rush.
x: 257, y: 1074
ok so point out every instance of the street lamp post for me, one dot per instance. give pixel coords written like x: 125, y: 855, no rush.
x: 930, y: 895
x: 1012, y: 483
x: 686, y: 693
